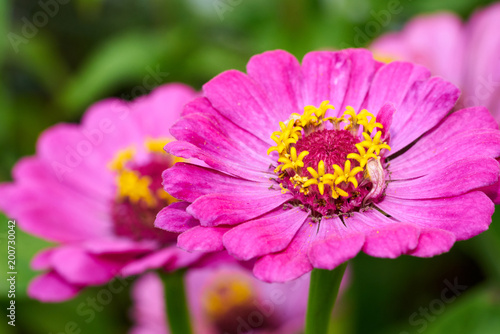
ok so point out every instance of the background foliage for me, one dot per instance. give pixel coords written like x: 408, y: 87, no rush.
x: 91, y: 49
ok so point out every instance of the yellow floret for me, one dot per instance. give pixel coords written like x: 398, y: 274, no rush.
x: 288, y: 135
x: 312, y: 115
x: 121, y: 158
x: 307, y: 118
x: 225, y: 295
x: 374, y: 145
x: 156, y: 145
x: 363, y: 156
x: 319, y: 177
x: 368, y: 126
x: 135, y: 187
x: 323, y: 108
x: 347, y: 175
x: 335, y: 121
x: 336, y: 192
x: 292, y: 160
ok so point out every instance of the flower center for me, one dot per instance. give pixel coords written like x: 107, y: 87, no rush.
x: 229, y: 297
x: 331, y: 165
x: 140, y: 195
x: 329, y: 146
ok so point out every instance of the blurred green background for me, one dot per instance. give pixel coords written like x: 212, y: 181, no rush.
x: 91, y: 49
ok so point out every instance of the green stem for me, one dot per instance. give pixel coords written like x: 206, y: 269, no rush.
x: 323, y: 291
x: 176, y: 304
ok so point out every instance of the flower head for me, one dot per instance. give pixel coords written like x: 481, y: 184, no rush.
x: 384, y: 168
x: 467, y: 56
x: 223, y: 299
x: 94, y: 189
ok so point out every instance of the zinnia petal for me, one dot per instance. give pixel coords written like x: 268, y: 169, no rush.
x: 290, y: 263
x: 231, y: 209
x: 269, y: 234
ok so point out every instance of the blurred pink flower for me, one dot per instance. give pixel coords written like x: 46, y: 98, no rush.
x: 149, y: 310
x: 311, y: 163
x: 94, y: 189
x: 225, y: 299
x: 467, y: 54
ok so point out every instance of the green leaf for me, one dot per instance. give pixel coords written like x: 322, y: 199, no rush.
x: 127, y: 58
x: 475, y: 313
x: 41, y: 57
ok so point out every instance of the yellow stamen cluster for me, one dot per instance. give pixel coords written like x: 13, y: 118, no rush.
x: 369, y: 126
x: 131, y: 184
x: 292, y: 160
x: 156, y: 145
x: 136, y: 187
x: 313, y: 118
x: 347, y: 175
x: 226, y: 294
x: 363, y: 156
x: 374, y: 144
x: 288, y: 135
x: 312, y: 115
x: 121, y: 158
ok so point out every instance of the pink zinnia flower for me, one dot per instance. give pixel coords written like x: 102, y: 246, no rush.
x: 225, y: 299
x: 466, y: 54
x: 94, y: 190
x: 310, y: 164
